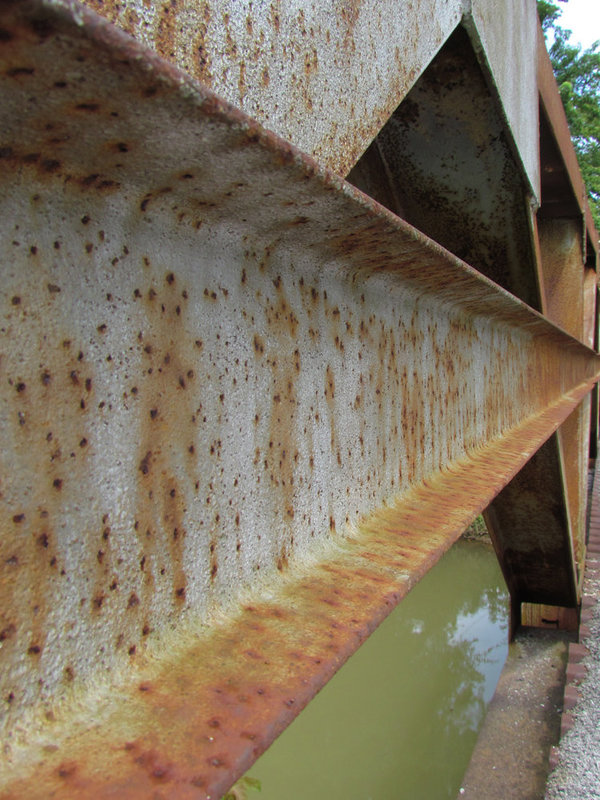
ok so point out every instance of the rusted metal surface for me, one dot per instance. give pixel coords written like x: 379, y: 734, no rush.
x: 562, y: 262
x: 561, y: 246
x: 594, y: 425
x: 590, y: 291
x: 327, y: 74
x: 195, y: 714
x: 539, y: 518
x: 451, y: 173
x: 592, y: 237
x: 552, y: 112
x: 450, y: 167
x: 504, y: 34
x: 564, y: 217
x: 558, y: 195
x: 324, y: 74
x: 574, y: 436
x: 531, y: 533
x: 235, y: 393
x: 537, y: 523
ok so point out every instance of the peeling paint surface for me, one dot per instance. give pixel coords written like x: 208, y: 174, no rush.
x: 225, y: 374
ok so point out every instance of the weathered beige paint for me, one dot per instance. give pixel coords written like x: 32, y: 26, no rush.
x: 218, y: 358
x: 507, y: 31
x: 327, y: 74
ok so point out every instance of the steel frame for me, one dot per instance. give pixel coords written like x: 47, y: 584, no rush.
x: 245, y: 408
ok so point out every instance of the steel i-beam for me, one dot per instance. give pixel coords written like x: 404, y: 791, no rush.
x: 244, y: 409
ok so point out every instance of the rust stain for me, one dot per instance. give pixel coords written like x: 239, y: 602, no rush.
x: 282, y: 448
x: 553, y: 107
x: 56, y: 437
x: 242, y: 86
x: 203, y: 69
x: 264, y: 345
x: 197, y: 718
x: 167, y: 27
x: 164, y: 394
x: 275, y: 12
x: 350, y: 12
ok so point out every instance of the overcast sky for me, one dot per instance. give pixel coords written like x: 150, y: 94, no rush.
x: 583, y: 18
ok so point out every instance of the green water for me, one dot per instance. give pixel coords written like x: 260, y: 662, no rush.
x: 400, y: 719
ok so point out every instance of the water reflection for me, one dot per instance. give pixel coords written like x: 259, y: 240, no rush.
x: 400, y: 719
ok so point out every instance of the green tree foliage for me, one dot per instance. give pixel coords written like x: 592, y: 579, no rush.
x: 548, y: 13
x: 578, y: 76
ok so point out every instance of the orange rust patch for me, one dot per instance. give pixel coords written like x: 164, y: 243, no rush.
x: 220, y: 700
x: 180, y: 401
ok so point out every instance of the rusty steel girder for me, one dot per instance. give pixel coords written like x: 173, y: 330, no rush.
x: 244, y: 409
x: 538, y: 521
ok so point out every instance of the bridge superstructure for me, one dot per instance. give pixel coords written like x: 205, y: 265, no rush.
x: 291, y: 293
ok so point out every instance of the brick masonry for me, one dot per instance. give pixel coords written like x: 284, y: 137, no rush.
x: 576, y: 668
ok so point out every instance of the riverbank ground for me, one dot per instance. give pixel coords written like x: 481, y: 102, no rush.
x: 549, y: 687
x: 510, y: 759
x: 576, y: 775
